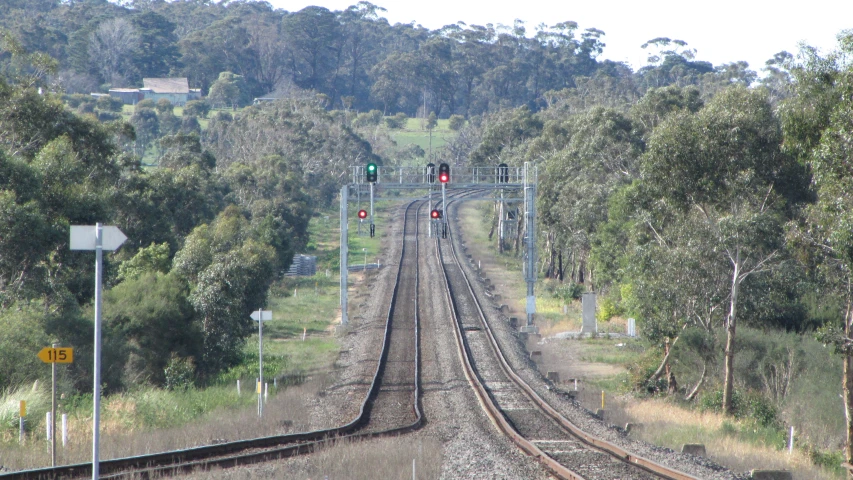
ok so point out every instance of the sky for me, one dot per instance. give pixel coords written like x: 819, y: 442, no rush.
x: 721, y: 31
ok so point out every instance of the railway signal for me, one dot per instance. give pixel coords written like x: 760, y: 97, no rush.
x: 435, y: 214
x: 443, y: 173
x: 430, y: 172
x: 503, y: 173
x: 362, y: 214
x: 371, y: 172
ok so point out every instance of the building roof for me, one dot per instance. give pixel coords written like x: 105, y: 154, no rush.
x: 124, y: 90
x: 167, y: 85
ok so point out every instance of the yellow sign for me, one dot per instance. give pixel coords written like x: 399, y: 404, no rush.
x: 23, y: 408
x: 259, y: 387
x: 56, y: 355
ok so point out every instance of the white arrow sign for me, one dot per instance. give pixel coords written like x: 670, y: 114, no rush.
x: 262, y: 315
x: 83, y: 237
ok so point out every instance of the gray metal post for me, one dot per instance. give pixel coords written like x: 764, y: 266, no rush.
x: 344, y: 249
x: 530, y: 219
x: 53, y: 411
x: 358, y: 205
x: 96, y: 408
x: 260, y: 360
x: 444, y: 206
x: 371, y: 207
x: 429, y: 222
x: 501, y: 224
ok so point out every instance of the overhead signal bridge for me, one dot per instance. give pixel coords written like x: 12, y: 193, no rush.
x: 501, y: 183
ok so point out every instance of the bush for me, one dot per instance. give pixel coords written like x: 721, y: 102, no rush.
x: 189, y: 124
x: 607, y: 309
x: 753, y: 406
x: 109, y: 104
x: 164, y: 105
x: 105, y: 117
x: 397, y: 121
x: 74, y: 100
x: 568, y: 292
x: 373, y: 117
x: 456, y: 122
x: 197, y: 108
x: 147, y: 103
x: 179, y: 373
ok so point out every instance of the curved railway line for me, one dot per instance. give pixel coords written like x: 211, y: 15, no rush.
x: 515, y: 408
x: 392, y: 405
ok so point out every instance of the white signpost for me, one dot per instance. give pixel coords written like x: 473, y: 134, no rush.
x: 98, y: 238
x: 261, y: 316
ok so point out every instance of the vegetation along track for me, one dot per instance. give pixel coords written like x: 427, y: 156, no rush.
x: 391, y: 407
x: 516, y: 409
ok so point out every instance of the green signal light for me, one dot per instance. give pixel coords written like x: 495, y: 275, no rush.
x: 371, y: 167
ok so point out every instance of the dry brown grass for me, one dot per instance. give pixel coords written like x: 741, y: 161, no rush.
x: 671, y: 426
x: 387, y: 458
x: 286, y: 412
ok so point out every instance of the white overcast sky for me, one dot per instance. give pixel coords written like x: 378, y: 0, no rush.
x: 721, y: 31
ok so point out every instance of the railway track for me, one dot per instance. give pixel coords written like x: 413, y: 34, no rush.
x: 391, y: 407
x: 513, y: 405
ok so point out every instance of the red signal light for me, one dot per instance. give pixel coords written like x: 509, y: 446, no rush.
x: 362, y: 214
x: 443, y: 178
x: 435, y: 214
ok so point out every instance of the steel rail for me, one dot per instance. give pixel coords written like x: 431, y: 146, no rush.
x: 230, y: 454
x: 494, y: 412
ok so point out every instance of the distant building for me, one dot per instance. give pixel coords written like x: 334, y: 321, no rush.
x: 175, y: 90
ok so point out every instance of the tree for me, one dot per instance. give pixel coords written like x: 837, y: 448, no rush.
x: 147, y: 126
x: 818, y: 121
x: 725, y: 165
x: 111, y: 50
x: 228, y: 90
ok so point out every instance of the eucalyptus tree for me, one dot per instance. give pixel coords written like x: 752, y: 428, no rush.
x: 725, y: 166
x: 818, y: 126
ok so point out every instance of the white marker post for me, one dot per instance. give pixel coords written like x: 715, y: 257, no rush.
x: 261, y: 316
x: 98, y: 238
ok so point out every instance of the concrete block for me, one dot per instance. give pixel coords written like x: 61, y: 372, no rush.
x: 553, y: 376
x: 601, y: 413
x: 513, y: 322
x: 504, y: 308
x: 487, y: 281
x: 771, y: 475
x: 529, y: 329
x: 630, y: 426
x: 536, y: 355
x: 697, y: 449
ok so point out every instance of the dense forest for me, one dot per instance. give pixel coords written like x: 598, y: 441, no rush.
x: 696, y: 198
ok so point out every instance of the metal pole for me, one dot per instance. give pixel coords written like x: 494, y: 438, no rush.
x: 260, y: 358
x: 371, y: 209
x: 444, y: 207
x: 52, y: 425
x: 358, y: 205
x: 501, y: 224
x: 96, y: 408
x: 344, y: 249
x: 530, y: 218
x: 429, y: 222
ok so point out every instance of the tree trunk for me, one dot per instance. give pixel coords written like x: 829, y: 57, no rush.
x: 560, y: 265
x: 663, y: 364
x: 693, y: 393
x: 728, y: 388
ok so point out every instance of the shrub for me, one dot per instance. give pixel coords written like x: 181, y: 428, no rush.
x: 179, y: 373
x: 397, y: 121
x: 164, y: 105
x: 569, y: 291
x: 607, y: 309
x: 197, y: 108
x: 456, y: 122
x: 74, y: 100
x: 105, y: 117
x: 189, y: 124
x: 109, y: 104
x: 147, y: 103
